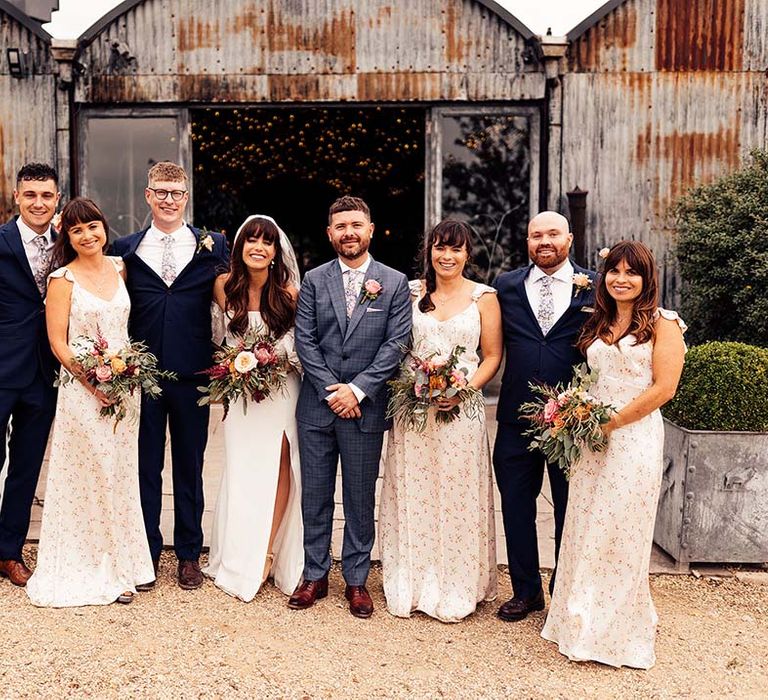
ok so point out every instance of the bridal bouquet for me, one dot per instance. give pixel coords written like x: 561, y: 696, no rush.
x: 251, y: 369
x: 566, y: 420
x: 117, y: 373
x: 423, y: 381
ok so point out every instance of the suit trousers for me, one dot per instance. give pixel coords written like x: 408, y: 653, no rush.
x: 187, y: 423
x: 320, y: 449
x: 519, y: 476
x: 30, y: 411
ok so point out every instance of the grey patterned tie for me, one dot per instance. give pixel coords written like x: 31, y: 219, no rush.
x: 546, y: 312
x: 168, y: 264
x: 43, y: 262
x: 351, y: 290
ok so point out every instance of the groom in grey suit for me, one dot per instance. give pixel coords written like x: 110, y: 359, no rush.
x: 353, y: 318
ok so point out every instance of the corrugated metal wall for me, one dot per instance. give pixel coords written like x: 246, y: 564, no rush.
x: 661, y: 95
x: 310, y: 50
x: 27, y: 109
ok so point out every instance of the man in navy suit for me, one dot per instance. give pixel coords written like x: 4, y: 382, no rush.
x: 543, y: 309
x: 353, y: 318
x: 27, y: 366
x: 171, y: 268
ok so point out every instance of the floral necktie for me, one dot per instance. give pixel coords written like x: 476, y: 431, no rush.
x: 42, y: 268
x: 351, y: 290
x: 546, y: 312
x: 168, y: 264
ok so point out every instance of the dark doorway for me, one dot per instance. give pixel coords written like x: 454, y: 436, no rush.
x: 292, y: 163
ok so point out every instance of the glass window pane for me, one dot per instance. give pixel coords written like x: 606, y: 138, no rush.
x: 486, y: 164
x: 118, y: 153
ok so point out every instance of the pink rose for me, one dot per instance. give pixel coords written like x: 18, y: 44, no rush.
x: 458, y: 378
x: 550, y: 410
x: 263, y: 356
x: 372, y: 287
x: 103, y: 373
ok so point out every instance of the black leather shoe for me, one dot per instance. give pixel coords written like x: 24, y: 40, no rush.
x: 518, y: 608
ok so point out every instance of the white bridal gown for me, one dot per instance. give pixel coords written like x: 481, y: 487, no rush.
x: 601, y: 607
x: 93, y: 545
x: 436, y: 520
x: 243, y: 518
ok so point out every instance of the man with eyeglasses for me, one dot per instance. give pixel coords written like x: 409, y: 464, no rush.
x: 171, y: 269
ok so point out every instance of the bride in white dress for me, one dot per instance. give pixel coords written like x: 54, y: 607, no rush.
x: 257, y: 527
x: 601, y: 606
x: 93, y: 546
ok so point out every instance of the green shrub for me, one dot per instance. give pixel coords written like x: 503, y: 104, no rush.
x: 724, y: 387
x: 722, y: 250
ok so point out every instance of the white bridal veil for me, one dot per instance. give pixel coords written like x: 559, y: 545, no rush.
x: 288, y: 254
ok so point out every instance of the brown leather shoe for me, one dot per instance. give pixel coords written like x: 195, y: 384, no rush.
x: 16, y: 571
x: 518, y: 608
x: 360, y: 603
x: 307, y: 593
x: 190, y: 576
x: 149, y: 585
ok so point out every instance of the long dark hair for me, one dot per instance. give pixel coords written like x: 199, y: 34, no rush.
x: 448, y: 232
x: 278, y: 309
x: 79, y: 210
x: 638, y: 257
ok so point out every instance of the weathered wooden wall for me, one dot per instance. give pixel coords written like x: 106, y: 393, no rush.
x: 661, y: 95
x: 307, y: 50
x: 27, y: 107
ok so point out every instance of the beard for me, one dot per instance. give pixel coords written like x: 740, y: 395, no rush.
x: 549, y: 262
x: 351, y: 250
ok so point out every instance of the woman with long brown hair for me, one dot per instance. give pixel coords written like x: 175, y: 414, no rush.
x: 257, y: 529
x: 436, y: 518
x: 601, y: 606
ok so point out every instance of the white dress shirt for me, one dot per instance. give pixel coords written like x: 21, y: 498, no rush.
x: 356, y: 390
x: 562, y: 289
x: 28, y: 237
x: 150, y: 249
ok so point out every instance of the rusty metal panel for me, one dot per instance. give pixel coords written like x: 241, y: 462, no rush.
x: 308, y: 50
x: 694, y: 35
x: 639, y: 141
x: 755, y: 51
x: 623, y: 40
x: 27, y: 109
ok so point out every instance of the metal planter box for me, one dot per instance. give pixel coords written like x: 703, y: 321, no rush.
x: 714, y: 496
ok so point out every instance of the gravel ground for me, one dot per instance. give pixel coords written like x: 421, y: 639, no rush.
x: 169, y: 643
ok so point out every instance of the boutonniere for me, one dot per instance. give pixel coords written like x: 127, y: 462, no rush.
x: 205, y: 243
x: 581, y: 283
x: 371, y: 291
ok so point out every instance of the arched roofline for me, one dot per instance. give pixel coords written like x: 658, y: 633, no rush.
x: 587, y: 24
x: 25, y: 20
x: 97, y: 27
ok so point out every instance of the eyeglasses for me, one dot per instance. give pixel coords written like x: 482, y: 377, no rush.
x: 176, y: 195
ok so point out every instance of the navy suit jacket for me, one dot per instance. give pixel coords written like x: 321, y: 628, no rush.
x: 365, y: 350
x: 175, y: 321
x: 23, y: 336
x: 531, y: 356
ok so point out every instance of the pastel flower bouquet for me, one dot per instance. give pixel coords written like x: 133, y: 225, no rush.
x: 250, y: 369
x: 116, y: 373
x: 567, y: 420
x: 423, y: 381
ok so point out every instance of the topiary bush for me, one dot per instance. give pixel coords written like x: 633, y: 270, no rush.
x: 722, y: 251
x: 724, y: 387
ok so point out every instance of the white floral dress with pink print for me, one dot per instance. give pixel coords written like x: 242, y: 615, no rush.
x: 436, y: 518
x: 601, y: 607
x: 93, y: 544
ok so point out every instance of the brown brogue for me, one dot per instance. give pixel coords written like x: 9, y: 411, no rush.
x: 15, y: 571
x: 360, y: 603
x: 518, y: 608
x: 149, y: 585
x: 190, y: 576
x: 307, y: 593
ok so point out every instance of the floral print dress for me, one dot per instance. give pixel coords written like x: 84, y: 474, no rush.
x: 436, y: 518
x: 93, y: 544
x: 601, y: 607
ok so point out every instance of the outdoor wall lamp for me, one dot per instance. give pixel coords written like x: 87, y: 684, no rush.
x: 16, y: 63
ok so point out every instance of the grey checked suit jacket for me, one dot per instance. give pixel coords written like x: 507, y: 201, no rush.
x: 366, y: 350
